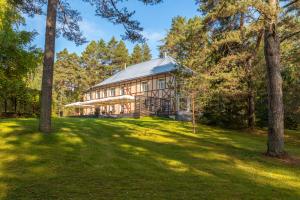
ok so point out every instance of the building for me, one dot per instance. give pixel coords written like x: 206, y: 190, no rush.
x: 145, y: 89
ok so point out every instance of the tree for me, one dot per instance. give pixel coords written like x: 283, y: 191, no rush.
x: 121, y: 56
x: 185, y: 41
x: 92, y: 61
x: 68, y: 21
x: 255, y: 12
x: 18, y: 58
x: 272, y: 56
x: 47, y: 80
x: 146, y: 52
x: 69, y: 80
x: 137, y: 55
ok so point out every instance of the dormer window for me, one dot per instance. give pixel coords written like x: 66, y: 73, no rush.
x: 144, y: 87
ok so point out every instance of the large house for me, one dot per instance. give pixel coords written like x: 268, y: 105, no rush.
x: 147, y: 88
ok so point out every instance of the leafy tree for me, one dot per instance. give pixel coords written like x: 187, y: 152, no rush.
x: 17, y: 57
x: 146, y: 52
x: 137, y: 55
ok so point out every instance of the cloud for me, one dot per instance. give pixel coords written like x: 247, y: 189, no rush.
x: 153, y: 36
x: 91, y: 30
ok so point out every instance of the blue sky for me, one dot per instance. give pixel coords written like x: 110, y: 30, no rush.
x: 156, y: 20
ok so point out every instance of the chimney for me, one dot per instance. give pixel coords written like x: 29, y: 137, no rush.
x: 165, y: 54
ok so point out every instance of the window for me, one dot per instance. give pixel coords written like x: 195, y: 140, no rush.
x: 113, y: 92
x: 122, y: 92
x: 98, y: 95
x: 91, y: 96
x: 161, y: 84
x: 105, y: 93
x: 144, y: 87
x: 122, y: 108
x: 112, y: 108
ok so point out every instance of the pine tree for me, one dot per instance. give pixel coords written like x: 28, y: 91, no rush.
x: 91, y: 60
x: 111, y: 46
x: 257, y: 18
x: 69, y: 80
x: 121, y: 56
x: 137, y: 55
x: 146, y: 52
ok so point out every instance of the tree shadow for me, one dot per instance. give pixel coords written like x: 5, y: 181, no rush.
x: 135, y: 159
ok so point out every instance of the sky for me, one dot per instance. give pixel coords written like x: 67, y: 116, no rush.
x: 155, y: 20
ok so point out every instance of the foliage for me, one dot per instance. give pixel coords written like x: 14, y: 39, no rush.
x: 70, y: 80
x: 18, y: 58
x: 224, y: 49
x: 137, y: 55
x: 146, y: 52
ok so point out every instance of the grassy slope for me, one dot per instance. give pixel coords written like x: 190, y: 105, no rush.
x: 140, y: 159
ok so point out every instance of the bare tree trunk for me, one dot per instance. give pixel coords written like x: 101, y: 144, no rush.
x: 193, y: 111
x: 274, y: 85
x: 251, y: 105
x: 47, y: 81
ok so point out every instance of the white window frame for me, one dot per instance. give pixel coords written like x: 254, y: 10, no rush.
x: 111, y: 93
x: 144, y: 89
x: 160, y: 81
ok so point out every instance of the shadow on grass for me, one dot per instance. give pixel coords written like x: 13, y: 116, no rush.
x: 137, y: 159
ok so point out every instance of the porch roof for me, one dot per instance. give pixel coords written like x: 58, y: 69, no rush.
x: 108, y: 100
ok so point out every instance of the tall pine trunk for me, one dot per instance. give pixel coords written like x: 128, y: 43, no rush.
x: 251, y: 105
x: 47, y: 81
x: 274, y: 86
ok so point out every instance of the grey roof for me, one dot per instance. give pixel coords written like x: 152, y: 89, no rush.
x: 148, y: 68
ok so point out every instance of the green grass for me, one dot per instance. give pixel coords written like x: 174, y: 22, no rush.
x: 140, y: 159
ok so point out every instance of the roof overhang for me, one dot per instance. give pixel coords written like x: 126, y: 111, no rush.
x: 104, y: 101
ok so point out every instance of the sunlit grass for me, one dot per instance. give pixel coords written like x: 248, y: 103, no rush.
x: 149, y: 158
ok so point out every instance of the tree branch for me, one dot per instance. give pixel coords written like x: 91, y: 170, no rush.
x: 289, y: 4
x: 289, y: 36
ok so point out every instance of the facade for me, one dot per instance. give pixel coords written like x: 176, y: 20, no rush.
x: 148, y: 88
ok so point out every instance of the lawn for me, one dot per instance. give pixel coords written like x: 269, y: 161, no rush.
x: 141, y: 159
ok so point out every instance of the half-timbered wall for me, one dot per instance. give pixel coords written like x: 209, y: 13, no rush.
x: 133, y: 88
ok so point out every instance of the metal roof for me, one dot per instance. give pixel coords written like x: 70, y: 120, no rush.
x: 148, y: 68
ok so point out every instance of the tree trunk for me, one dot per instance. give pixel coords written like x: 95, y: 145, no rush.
x: 15, y: 104
x: 274, y: 86
x: 47, y: 81
x: 251, y: 105
x: 193, y: 112
x: 5, y: 105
